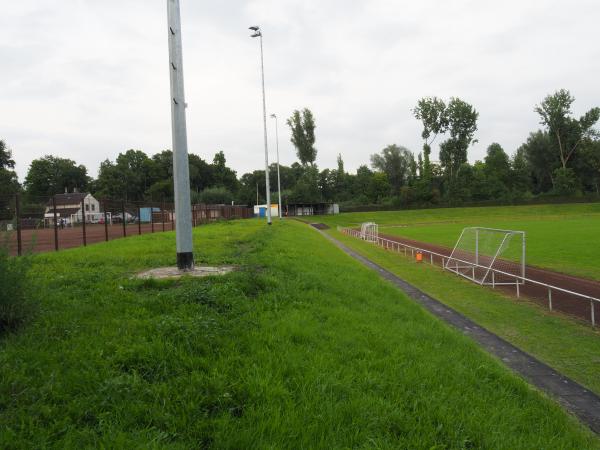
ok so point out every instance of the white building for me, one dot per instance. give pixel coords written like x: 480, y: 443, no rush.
x: 71, y: 208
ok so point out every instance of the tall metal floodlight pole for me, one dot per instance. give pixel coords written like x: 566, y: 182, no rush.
x: 181, y: 171
x: 258, y: 34
x: 274, y: 116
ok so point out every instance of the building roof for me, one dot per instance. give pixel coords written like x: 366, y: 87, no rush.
x: 68, y: 199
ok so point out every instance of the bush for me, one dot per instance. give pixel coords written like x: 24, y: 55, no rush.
x: 565, y: 182
x: 14, y: 305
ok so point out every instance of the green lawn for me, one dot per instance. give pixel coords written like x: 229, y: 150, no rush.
x: 569, y: 346
x: 565, y: 238
x: 301, y: 348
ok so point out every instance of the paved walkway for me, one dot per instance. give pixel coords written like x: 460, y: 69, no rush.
x: 571, y: 395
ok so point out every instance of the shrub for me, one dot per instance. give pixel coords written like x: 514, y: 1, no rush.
x: 565, y: 182
x: 14, y: 305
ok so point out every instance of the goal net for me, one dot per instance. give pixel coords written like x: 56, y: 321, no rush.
x: 369, y: 232
x: 489, y: 256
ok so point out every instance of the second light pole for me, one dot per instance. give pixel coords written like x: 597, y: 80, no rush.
x: 274, y: 116
x: 258, y: 34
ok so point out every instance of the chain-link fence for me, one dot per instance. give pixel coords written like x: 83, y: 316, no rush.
x: 33, y: 225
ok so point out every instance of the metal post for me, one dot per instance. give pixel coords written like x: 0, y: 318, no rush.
x: 152, y: 218
x: 83, y: 222
x: 493, y: 280
x: 105, y: 222
x: 550, y: 299
x: 278, y: 175
x: 18, y: 214
x: 523, y: 262
x: 518, y: 293
x: 181, y: 171
x: 55, y: 223
x: 476, y: 248
x: 162, y: 215
x: 139, y: 214
x: 258, y: 33
x: 123, y: 217
x: 593, y: 313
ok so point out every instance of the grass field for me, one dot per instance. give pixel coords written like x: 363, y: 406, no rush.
x: 567, y: 345
x: 301, y: 348
x: 565, y: 238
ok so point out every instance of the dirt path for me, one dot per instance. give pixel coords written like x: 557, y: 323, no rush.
x: 563, y: 302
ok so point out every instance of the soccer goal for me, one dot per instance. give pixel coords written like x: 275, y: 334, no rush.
x: 489, y: 256
x: 369, y: 232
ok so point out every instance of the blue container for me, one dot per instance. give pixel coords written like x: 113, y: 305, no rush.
x: 146, y: 212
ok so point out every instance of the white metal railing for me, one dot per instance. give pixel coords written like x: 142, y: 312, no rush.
x: 388, y: 244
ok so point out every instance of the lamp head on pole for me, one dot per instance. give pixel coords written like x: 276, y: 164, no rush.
x: 256, y: 30
x: 274, y: 116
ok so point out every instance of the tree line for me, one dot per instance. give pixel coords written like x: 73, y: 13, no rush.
x: 562, y: 158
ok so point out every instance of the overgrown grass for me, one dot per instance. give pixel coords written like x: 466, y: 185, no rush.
x: 301, y: 348
x: 15, y: 307
x: 564, y: 238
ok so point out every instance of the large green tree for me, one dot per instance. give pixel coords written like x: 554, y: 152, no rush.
x: 396, y: 162
x: 9, y: 183
x: 302, y: 125
x: 431, y: 111
x: 567, y: 131
x: 222, y: 175
x: 497, y: 165
x: 462, y: 125
x: 53, y: 175
x: 542, y: 159
x: 521, y: 175
x: 128, y: 178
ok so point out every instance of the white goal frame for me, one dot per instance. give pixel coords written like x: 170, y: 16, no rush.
x: 369, y: 231
x: 482, y: 271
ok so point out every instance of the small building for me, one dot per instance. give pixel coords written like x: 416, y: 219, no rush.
x: 311, y: 209
x: 72, y: 208
x: 261, y: 210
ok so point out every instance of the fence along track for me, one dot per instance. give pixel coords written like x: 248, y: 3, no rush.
x: 41, y: 224
x: 520, y: 281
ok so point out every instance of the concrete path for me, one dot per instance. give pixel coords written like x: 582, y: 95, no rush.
x: 571, y: 395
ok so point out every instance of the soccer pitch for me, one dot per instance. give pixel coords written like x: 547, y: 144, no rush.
x: 564, y: 238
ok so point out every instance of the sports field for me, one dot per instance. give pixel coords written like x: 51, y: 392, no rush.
x: 302, y: 347
x: 564, y: 238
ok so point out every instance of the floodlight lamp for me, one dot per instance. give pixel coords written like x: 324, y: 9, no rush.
x: 274, y: 116
x: 257, y: 34
x: 253, y: 28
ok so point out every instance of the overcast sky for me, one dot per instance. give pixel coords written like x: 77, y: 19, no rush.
x: 87, y: 79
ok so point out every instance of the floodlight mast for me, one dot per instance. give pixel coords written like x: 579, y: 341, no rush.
x: 181, y: 171
x: 274, y: 116
x: 258, y: 34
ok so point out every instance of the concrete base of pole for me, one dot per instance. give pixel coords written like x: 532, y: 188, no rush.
x: 185, y: 261
x: 174, y: 272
